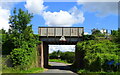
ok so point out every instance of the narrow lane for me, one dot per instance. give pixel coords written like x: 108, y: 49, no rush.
x: 59, y: 68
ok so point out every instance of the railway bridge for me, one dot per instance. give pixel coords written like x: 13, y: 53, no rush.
x: 57, y: 36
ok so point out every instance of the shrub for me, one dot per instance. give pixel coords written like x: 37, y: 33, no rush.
x: 98, y: 53
x: 23, y: 58
x: 68, y: 56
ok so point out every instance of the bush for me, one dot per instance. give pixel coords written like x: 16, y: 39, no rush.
x: 20, y: 57
x: 68, y: 56
x: 23, y: 58
x: 98, y: 54
x: 53, y: 55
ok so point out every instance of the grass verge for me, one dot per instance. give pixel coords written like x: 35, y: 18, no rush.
x: 100, y: 73
x: 32, y: 70
x: 58, y: 60
x: 85, y: 72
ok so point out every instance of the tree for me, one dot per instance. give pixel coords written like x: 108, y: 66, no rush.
x: 19, y: 27
x: 7, y: 43
x: 24, y: 52
x: 88, y: 37
x: 96, y: 31
x: 115, y: 35
x: 119, y: 35
x: 20, y: 20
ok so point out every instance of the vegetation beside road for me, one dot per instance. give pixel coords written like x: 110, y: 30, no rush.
x: 17, y: 70
x: 58, y: 60
x: 65, y: 57
x: 99, y: 56
x: 84, y: 72
x: 20, y: 43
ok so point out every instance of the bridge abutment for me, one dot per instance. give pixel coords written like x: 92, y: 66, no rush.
x: 43, y: 55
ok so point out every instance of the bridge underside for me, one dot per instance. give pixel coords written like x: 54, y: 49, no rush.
x: 44, y: 48
x: 56, y: 40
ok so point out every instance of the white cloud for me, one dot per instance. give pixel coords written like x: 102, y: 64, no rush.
x: 61, y: 18
x: 12, y: 0
x: 102, y: 8
x: 98, y: 0
x: 86, y: 33
x: 64, y: 18
x: 7, y: 4
x: 4, y: 18
x: 5, y: 7
x: 35, y: 6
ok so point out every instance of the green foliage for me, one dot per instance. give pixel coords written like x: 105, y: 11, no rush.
x: 20, y: 56
x: 82, y: 71
x: 19, y: 21
x: 97, y: 33
x: 57, y: 60
x: 7, y: 43
x: 115, y: 35
x: 66, y: 56
x: 55, y: 54
x: 19, y: 41
x: 98, y: 53
x: 19, y: 27
x: 88, y: 37
x: 14, y: 70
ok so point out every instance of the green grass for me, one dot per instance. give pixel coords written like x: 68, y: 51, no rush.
x: 100, y: 73
x: 85, y: 72
x: 32, y: 70
x: 6, y: 69
x: 58, y: 60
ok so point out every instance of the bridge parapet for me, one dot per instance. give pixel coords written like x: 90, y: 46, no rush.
x: 61, y: 31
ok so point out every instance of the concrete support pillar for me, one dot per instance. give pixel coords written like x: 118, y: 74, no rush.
x: 40, y: 56
x: 79, y: 55
x: 43, y: 55
x: 45, y: 51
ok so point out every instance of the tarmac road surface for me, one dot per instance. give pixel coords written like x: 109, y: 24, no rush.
x: 59, y: 69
